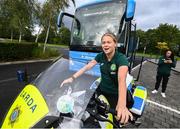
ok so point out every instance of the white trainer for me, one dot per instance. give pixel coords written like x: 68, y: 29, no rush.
x: 154, y: 91
x: 163, y: 95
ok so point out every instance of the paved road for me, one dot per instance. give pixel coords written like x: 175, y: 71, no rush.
x: 10, y: 87
x: 160, y: 112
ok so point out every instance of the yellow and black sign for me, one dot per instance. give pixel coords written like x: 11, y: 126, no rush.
x: 28, y: 108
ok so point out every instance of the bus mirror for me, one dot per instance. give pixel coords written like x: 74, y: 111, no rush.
x: 60, y: 19
x: 130, y: 9
x: 78, y: 26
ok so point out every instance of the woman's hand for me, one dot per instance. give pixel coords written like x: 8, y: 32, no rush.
x: 169, y: 61
x: 123, y: 114
x: 69, y: 80
x: 166, y: 61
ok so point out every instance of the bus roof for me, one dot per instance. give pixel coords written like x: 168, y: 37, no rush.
x: 93, y: 2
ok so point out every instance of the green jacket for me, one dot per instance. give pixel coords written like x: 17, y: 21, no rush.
x: 109, y: 71
x: 165, y: 68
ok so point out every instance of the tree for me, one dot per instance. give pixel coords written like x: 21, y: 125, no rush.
x: 177, y: 42
x: 143, y: 39
x: 38, y: 19
x: 64, y: 35
x: 21, y: 15
x: 162, y: 46
x: 18, y: 15
x: 50, y: 10
x: 151, y: 40
x: 167, y: 33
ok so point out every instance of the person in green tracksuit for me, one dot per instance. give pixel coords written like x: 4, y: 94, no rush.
x: 166, y: 62
x: 114, y: 69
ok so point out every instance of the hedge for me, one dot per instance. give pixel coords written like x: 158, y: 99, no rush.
x: 16, y: 51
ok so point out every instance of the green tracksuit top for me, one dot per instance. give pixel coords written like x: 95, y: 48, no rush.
x: 109, y: 71
x: 164, y: 68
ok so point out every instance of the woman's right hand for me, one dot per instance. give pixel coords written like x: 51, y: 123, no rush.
x: 169, y: 61
x: 69, y: 80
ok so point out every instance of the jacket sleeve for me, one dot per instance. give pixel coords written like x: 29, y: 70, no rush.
x: 97, y: 58
x: 161, y: 61
x: 173, y: 64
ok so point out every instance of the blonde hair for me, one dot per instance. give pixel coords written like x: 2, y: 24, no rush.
x: 110, y: 35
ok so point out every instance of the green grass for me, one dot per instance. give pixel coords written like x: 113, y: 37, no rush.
x: 14, y: 41
x: 178, y: 58
x: 58, y: 45
x: 49, y: 53
x: 40, y: 44
x: 148, y: 55
x: 54, y: 45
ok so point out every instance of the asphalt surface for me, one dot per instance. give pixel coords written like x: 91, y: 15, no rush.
x: 9, y: 85
x: 160, y: 112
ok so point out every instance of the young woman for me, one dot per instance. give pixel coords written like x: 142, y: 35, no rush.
x: 163, y: 72
x: 114, y: 68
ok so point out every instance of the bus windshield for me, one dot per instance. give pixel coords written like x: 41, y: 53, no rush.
x: 95, y: 20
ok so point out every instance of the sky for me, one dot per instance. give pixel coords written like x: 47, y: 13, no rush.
x: 149, y: 13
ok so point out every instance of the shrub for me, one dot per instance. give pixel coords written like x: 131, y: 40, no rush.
x: 16, y: 51
x: 38, y: 53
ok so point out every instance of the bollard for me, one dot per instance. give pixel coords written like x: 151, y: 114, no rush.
x: 20, y: 75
